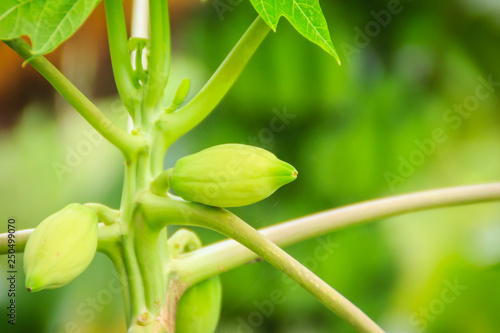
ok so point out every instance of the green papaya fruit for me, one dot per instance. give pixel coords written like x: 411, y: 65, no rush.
x: 60, y: 248
x: 198, y: 309
x: 230, y: 175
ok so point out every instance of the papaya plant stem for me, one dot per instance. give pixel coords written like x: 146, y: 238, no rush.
x: 126, y: 83
x: 159, y: 57
x: 163, y: 211
x: 158, y: 148
x: 124, y: 141
x: 147, y: 247
x: 143, y: 177
x: 175, y: 289
x: 109, y: 238
x: 228, y: 254
x: 119, y: 265
x: 136, y: 283
x: 128, y: 193
x: 136, y: 287
x: 215, y: 89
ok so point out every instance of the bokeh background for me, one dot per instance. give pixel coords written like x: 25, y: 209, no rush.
x: 356, y: 132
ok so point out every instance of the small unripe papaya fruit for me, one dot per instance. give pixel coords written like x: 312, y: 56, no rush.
x: 60, y: 248
x: 230, y: 175
x: 198, y: 309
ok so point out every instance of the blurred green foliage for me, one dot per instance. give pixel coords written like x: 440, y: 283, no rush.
x: 347, y: 128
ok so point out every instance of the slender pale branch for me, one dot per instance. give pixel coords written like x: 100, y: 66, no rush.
x: 216, y: 88
x: 161, y: 211
x: 21, y: 238
x: 228, y: 254
x: 126, y: 83
x: 106, y: 234
x: 126, y: 142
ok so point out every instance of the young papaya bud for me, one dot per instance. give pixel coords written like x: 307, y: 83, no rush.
x: 181, y: 93
x: 182, y: 241
x: 198, y: 309
x: 230, y: 175
x: 180, y: 96
x: 60, y: 248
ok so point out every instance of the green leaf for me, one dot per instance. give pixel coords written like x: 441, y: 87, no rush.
x: 305, y: 16
x: 48, y: 23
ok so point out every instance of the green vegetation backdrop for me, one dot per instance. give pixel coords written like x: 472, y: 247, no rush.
x: 415, y: 105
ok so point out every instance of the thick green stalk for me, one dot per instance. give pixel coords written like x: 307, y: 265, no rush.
x: 126, y: 83
x: 119, y: 265
x: 161, y: 211
x: 131, y: 263
x: 124, y: 141
x: 127, y: 203
x: 136, y: 283
x: 143, y: 177
x: 109, y: 244
x: 159, y: 147
x: 151, y: 263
